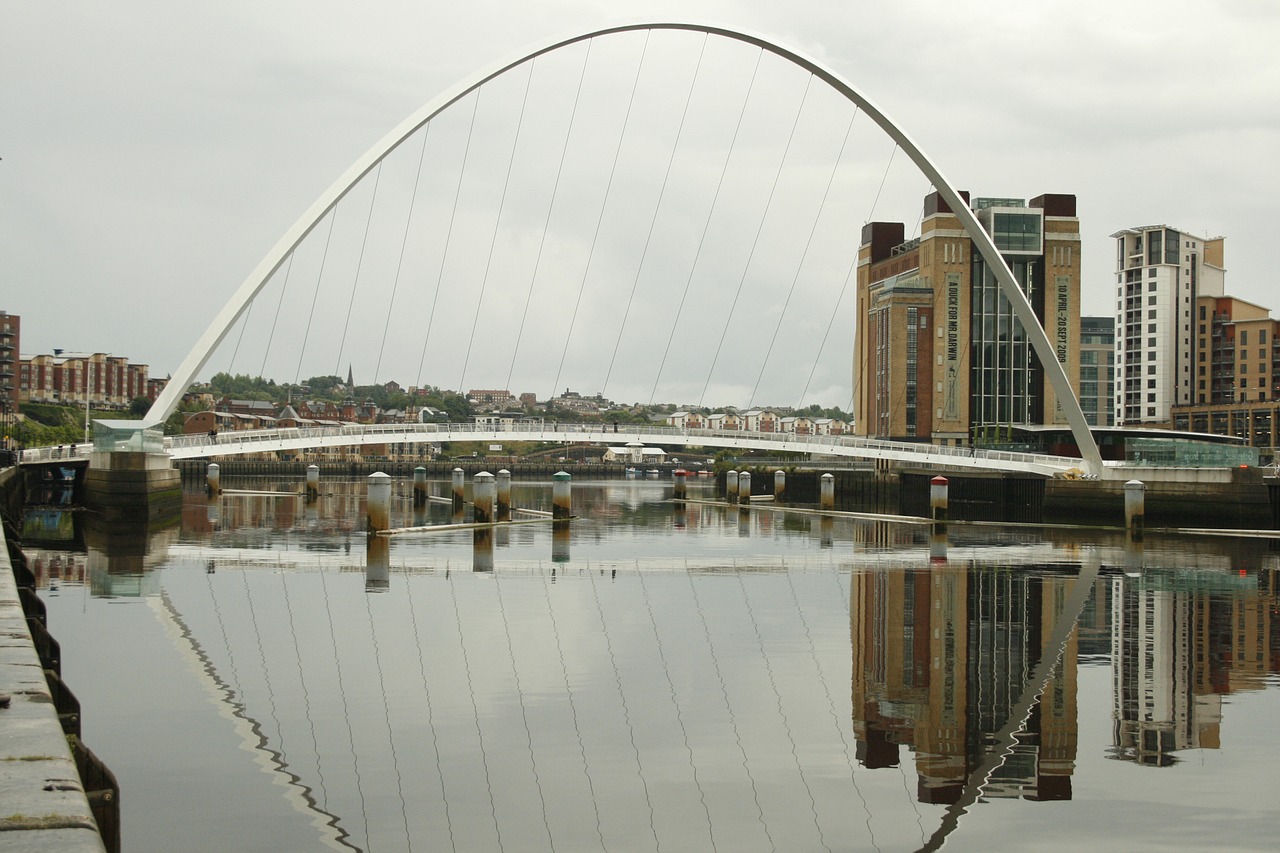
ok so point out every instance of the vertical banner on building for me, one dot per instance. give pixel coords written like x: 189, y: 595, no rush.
x: 1061, y: 316
x: 951, y: 362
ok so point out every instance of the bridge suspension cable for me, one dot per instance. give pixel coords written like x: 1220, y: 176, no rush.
x: 497, y: 222
x: 755, y: 241
x: 404, y: 242
x: 546, y: 222
x: 355, y: 280
x: 448, y: 236
x: 604, y: 203
x: 657, y: 208
x: 835, y: 165
x: 706, y: 224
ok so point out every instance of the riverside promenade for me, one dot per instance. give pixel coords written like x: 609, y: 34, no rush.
x: 43, y: 804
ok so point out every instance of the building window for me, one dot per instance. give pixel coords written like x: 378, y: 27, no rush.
x: 1151, y: 300
x: 1244, y: 337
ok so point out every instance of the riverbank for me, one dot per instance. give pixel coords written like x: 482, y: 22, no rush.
x: 42, y: 763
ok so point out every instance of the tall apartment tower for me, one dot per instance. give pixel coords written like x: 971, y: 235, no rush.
x: 938, y: 350
x: 1160, y: 274
x: 10, y: 341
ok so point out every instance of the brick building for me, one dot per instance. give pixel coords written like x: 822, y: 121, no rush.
x: 938, y: 350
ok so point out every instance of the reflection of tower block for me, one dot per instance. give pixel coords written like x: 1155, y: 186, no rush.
x: 876, y: 749
x: 940, y: 778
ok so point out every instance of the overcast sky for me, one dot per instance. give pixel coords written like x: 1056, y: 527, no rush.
x: 153, y: 153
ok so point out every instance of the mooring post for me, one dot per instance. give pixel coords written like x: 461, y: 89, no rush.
x: 419, y: 486
x: 681, y: 480
x: 377, y: 564
x: 826, y: 531
x: 779, y: 484
x: 313, y: 482
x: 484, y: 490
x: 560, y: 543
x: 504, y: 495
x: 938, y: 497
x: 938, y: 544
x: 827, y: 493
x: 744, y: 488
x: 459, y: 489
x: 378, y: 502
x: 482, y: 549
x: 731, y: 487
x: 561, y: 496
x: 1135, y: 495
x: 213, y: 480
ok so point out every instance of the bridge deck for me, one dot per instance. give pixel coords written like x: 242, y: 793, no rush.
x: 303, y: 438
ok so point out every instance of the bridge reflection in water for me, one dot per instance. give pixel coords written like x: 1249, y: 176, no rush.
x: 701, y: 679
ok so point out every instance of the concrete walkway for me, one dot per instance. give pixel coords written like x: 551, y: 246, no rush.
x: 43, y: 806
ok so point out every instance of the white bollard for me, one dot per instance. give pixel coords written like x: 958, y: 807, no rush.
x: 378, y: 502
x: 561, y: 496
x: 504, y: 495
x: 459, y: 489
x: 313, y: 482
x: 484, y: 492
x: 827, y: 493
x: 938, y: 499
x: 1135, y: 498
x: 419, y: 486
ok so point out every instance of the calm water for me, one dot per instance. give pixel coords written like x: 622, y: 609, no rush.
x: 663, y: 679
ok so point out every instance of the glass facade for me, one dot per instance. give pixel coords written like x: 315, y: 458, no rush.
x: 1016, y: 232
x: 1006, y: 380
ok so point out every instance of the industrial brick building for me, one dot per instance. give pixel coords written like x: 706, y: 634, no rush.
x: 938, y: 351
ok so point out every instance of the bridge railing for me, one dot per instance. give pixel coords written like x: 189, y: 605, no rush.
x: 62, y: 453
x: 602, y: 432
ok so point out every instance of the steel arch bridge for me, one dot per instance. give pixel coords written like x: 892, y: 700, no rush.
x: 229, y: 315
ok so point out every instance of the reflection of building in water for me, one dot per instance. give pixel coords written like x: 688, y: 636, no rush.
x: 1179, y: 647
x: 52, y: 567
x: 940, y: 660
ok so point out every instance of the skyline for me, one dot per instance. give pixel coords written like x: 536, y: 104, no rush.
x: 116, y: 152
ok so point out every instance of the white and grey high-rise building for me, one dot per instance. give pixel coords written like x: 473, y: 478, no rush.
x: 1160, y: 271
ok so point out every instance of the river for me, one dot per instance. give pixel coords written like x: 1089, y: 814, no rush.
x: 665, y: 677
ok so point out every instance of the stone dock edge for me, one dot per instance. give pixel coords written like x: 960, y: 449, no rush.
x: 43, y: 803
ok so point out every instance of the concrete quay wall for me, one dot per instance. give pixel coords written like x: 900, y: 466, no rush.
x: 43, y: 803
x: 1226, y: 498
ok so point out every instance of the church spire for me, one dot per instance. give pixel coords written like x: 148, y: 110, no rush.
x: 351, y: 385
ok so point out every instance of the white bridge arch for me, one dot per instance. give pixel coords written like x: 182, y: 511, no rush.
x: 239, y: 302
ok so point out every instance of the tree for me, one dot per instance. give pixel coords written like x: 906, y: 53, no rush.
x: 139, y: 407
